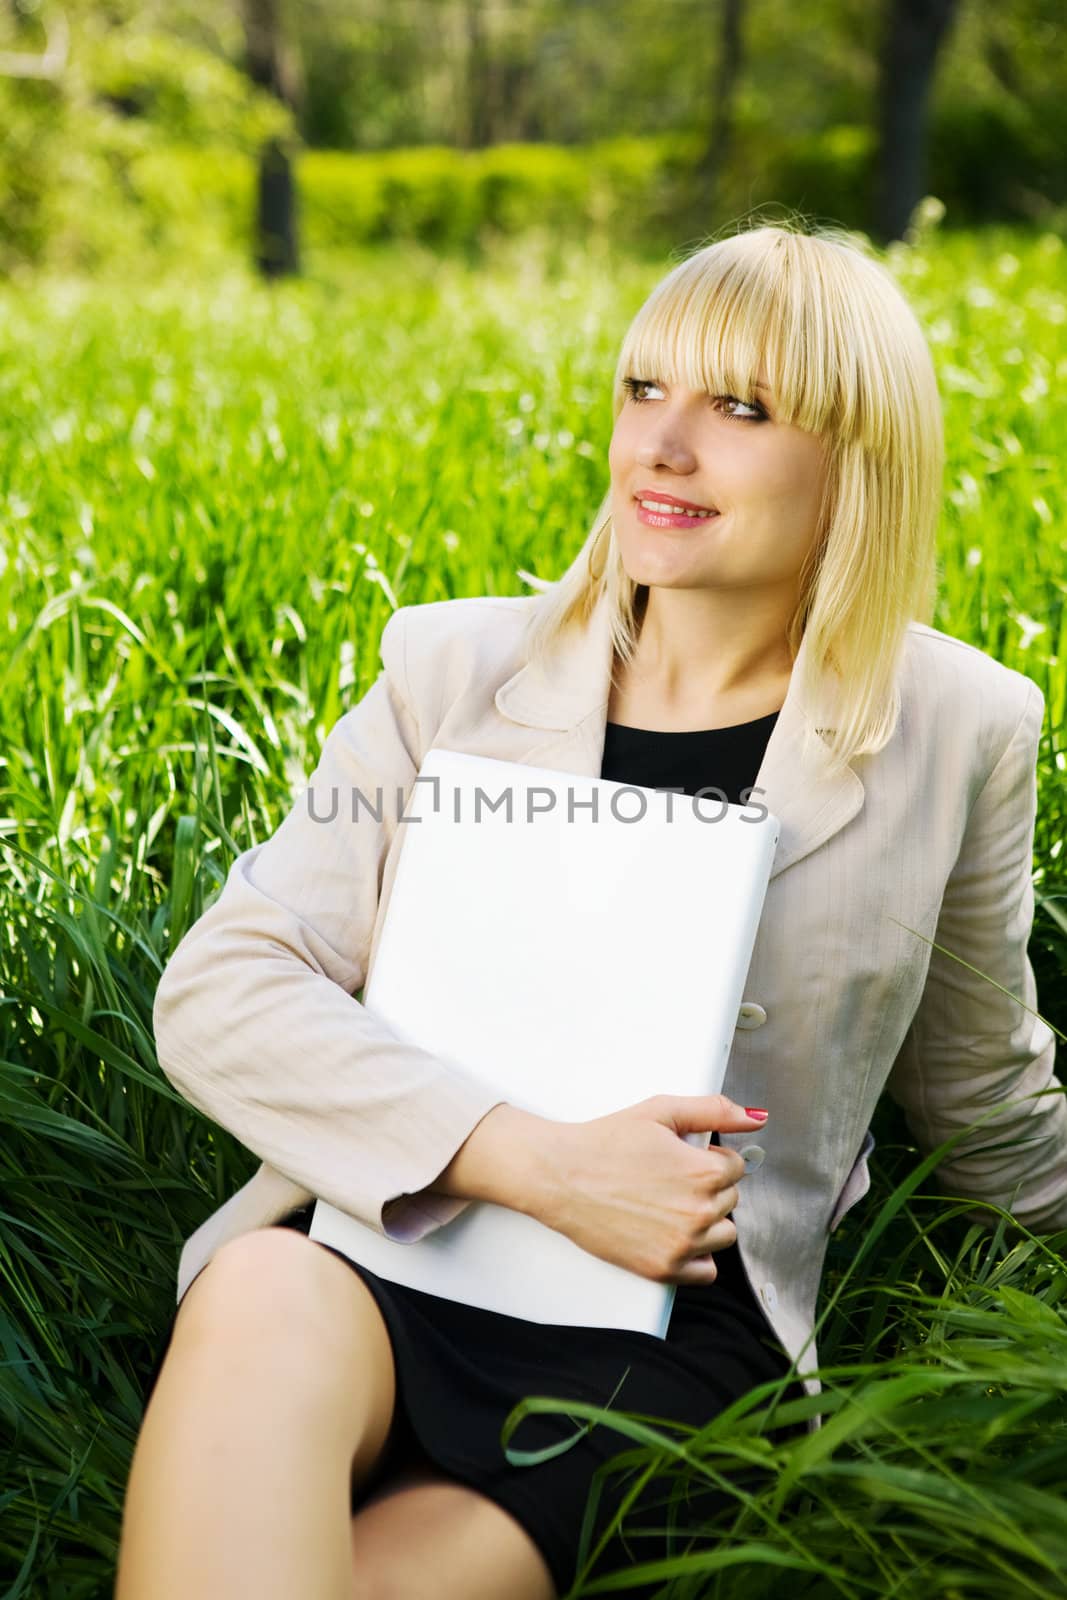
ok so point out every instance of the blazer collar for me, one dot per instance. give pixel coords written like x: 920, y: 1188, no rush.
x: 567, y: 694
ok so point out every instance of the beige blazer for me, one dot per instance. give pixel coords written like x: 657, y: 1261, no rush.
x: 258, y: 1026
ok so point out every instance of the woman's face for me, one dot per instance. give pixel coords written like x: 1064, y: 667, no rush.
x: 763, y: 478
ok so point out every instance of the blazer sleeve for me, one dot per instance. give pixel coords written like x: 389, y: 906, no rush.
x: 255, y: 1018
x: 971, y: 1046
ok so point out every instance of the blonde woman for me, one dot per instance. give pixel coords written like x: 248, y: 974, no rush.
x: 748, y: 614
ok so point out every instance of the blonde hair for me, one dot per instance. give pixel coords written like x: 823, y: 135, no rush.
x: 847, y: 360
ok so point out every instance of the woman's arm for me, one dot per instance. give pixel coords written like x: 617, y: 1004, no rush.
x: 970, y: 1047
x: 255, y: 1020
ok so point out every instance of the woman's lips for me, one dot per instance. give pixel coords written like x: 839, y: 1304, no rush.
x: 658, y: 519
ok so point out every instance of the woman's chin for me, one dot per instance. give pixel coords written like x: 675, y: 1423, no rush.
x: 666, y: 574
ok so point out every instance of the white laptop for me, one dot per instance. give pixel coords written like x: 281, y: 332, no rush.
x: 579, y: 960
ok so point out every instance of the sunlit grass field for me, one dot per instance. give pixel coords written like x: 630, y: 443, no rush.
x: 211, y: 496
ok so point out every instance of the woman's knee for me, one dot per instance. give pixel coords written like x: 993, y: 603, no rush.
x: 278, y: 1286
x: 274, y: 1307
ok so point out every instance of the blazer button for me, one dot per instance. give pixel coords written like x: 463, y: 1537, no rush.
x: 753, y: 1156
x: 751, y: 1015
x: 769, y: 1295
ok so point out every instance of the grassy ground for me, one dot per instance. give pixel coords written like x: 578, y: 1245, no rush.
x: 211, y: 496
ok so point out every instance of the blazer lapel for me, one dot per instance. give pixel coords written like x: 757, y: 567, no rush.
x: 567, y: 696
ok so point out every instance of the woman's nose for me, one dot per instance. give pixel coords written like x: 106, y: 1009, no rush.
x: 668, y: 449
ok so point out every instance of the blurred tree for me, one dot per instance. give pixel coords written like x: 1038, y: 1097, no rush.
x: 915, y: 31
x: 270, y: 68
x: 479, y: 122
x: 728, y: 68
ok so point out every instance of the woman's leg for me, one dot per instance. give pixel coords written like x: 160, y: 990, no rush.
x: 273, y: 1404
x: 423, y: 1536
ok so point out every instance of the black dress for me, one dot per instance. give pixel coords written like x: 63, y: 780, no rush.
x: 460, y: 1370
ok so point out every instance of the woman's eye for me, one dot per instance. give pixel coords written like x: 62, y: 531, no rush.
x: 755, y: 411
x: 633, y: 384
x: 751, y: 411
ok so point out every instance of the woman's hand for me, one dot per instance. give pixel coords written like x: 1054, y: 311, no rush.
x: 629, y: 1187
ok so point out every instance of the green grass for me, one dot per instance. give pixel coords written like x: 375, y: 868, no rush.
x: 211, y: 496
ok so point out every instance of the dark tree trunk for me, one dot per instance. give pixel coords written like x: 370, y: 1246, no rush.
x: 915, y: 31
x: 277, y: 249
x: 479, y: 111
x: 728, y: 67
x: 511, y: 98
x: 277, y: 253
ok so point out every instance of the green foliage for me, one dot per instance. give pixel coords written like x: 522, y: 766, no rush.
x: 212, y: 494
x: 173, y: 201
x: 1001, y: 158
x: 450, y: 198
x: 830, y: 172
x: 125, y: 194
x: 29, y: 155
x: 185, y: 94
x: 593, y: 122
x: 81, y: 184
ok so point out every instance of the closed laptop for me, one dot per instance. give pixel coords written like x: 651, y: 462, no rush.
x: 632, y: 991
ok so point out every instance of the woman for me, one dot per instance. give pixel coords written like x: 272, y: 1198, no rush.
x: 316, y: 1430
